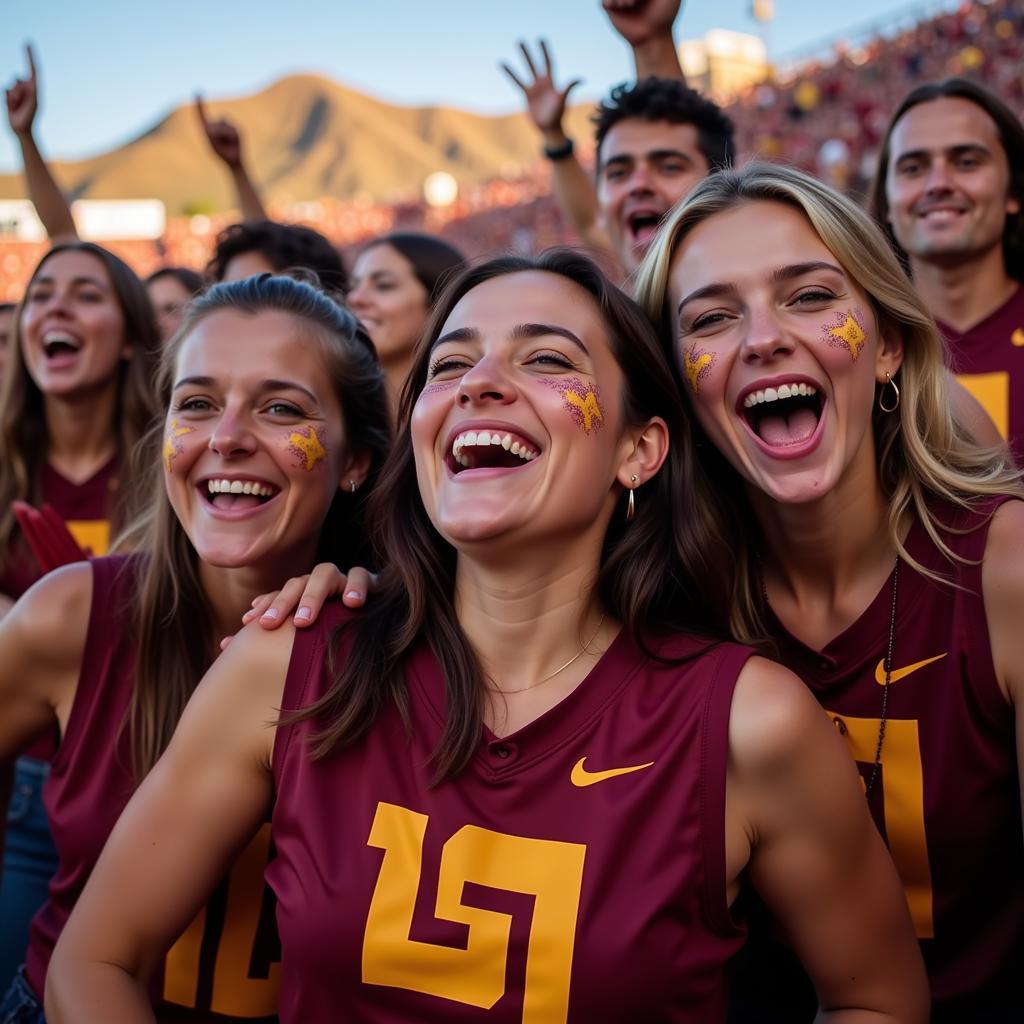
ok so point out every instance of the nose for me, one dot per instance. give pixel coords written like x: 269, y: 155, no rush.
x: 356, y: 298
x: 938, y: 179
x: 640, y: 180
x: 232, y: 437
x: 486, y: 382
x: 765, y: 340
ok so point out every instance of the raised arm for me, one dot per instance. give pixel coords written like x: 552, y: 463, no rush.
x: 647, y: 26
x: 46, y: 196
x: 1002, y: 580
x: 545, y: 103
x: 815, y: 857
x: 193, y: 813
x: 226, y: 143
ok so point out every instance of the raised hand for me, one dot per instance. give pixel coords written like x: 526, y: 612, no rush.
x: 47, y: 536
x: 23, y: 98
x: 222, y: 135
x: 639, y: 21
x: 544, y: 101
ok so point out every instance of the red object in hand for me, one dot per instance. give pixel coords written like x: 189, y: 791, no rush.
x: 48, y: 536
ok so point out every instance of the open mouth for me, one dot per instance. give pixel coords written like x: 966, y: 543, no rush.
x: 237, y: 495
x: 56, y: 344
x: 643, y: 225
x: 485, y: 449
x: 783, y: 416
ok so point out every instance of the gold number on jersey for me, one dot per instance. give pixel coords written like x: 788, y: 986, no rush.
x: 903, y: 794
x: 234, y: 993
x: 992, y: 390
x: 551, y: 871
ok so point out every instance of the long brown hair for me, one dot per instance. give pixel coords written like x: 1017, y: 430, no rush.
x: 173, y: 618
x: 657, y: 573
x: 23, y: 437
x: 923, y: 452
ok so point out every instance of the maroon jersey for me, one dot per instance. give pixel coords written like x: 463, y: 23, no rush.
x: 574, y: 871
x: 85, y: 507
x: 988, y: 360
x: 225, y: 963
x: 947, y: 797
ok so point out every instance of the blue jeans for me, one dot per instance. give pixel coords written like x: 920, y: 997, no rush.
x: 29, y: 862
x: 19, y: 1005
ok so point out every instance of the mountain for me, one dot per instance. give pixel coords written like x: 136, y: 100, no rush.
x: 305, y: 137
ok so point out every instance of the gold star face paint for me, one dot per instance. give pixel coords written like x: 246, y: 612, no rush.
x: 173, y: 446
x: 583, y: 401
x: 846, y: 330
x: 697, y: 365
x: 307, y: 446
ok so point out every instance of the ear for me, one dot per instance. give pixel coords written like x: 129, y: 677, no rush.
x: 354, y: 470
x: 647, y: 448
x: 889, y: 357
x: 127, y: 351
x: 1012, y: 206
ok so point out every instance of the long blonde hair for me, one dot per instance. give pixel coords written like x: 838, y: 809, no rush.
x: 924, y: 452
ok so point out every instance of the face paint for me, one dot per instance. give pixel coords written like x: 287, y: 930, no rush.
x: 172, y: 445
x: 846, y: 330
x: 438, y: 385
x: 697, y: 365
x: 582, y: 400
x: 308, y: 447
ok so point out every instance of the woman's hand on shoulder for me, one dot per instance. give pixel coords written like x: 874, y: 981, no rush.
x: 306, y: 595
x: 42, y: 639
x: 816, y: 858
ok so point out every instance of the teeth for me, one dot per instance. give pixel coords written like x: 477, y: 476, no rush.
x: 239, y: 487
x: 774, y: 394
x: 474, y: 438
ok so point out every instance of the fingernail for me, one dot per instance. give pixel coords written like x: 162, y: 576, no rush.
x: 304, y: 613
x: 270, y: 613
x: 353, y: 593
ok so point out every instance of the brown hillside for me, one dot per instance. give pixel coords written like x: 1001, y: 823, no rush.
x: 307, y: 137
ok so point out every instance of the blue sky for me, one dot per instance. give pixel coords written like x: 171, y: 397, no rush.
x: 111, y: 68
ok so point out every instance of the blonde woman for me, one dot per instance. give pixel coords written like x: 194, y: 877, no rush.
x: 877, y: 546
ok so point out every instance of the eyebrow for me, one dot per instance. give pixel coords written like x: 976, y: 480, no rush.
x: 84, y: 279
x: 520, y: 332
x: 265, y: 385
x: 654, y: 154
x: 958, y: 150
x: 778, y: 275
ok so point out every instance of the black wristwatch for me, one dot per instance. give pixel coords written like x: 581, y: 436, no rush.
x: 562, y: 152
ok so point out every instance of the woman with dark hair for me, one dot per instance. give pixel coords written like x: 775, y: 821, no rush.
x: 170, y: 291
x: 873, y: 542
x: 75, y: 399
x: 533, y: 766
x: 395, y: 282
x: 258, y: 465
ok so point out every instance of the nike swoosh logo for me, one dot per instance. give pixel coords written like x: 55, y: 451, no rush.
x: 581, y: 777
x: 901, y: 673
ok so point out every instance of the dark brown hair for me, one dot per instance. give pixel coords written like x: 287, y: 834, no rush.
x: 1011, y: 135
x: 23, y: 437
x: 658, y: 573
x: 173, y: 618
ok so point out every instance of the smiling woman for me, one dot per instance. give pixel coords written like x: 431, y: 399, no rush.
x: 545, y: 767
x: 108, y: 652
x: 874, y: 541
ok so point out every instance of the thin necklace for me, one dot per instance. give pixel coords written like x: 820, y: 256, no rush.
x: 561, y: 668
x: 888, y: 667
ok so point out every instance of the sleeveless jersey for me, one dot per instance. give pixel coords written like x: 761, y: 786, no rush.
x: 574, y: 871
x: 947, y: 798
x: 988, y: 360
x: 225, y: 963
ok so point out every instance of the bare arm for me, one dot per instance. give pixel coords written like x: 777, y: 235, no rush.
x: 226, y: 143
x: 796, y: 806
x: 1002, y: 580
x: 195, y: 810
x: 545, y: 103
x: 647, y: 26
x: 46, y: 196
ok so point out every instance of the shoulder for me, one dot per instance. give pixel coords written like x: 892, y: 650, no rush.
x: 1002, y: 580
x: 773, y: 713
x: 53, y: 615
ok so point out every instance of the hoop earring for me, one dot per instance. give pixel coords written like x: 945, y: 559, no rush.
x: 631, y: 506
x: 352, y: 486
x: 889, y: 383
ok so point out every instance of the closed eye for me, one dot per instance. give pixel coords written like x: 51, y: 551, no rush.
x: 448, y: 364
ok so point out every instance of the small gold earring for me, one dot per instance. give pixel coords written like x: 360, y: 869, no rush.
x: 631, y: 505
x: 889, y: 382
